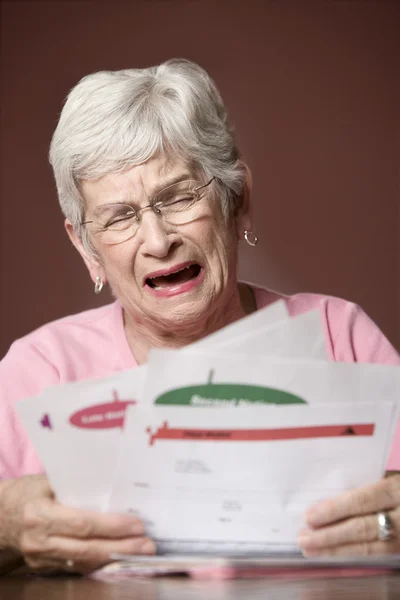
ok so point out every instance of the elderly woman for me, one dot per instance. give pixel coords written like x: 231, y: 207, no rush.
x: 156, y: 200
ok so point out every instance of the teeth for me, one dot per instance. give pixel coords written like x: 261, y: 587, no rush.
x: 173, y: 272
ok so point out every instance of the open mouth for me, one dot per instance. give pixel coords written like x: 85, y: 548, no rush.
x: 180, y: 276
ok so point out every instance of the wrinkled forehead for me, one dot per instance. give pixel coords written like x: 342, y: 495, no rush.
x: 137, y: 184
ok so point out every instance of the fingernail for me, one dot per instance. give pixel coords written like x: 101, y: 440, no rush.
x: 303, y: 540
x: 312, y: 517
x: 308, y: 553
x: 137, y: 528
x: 148, y: 547
x: 317, y: 514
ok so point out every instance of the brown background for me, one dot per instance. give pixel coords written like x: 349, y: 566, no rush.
x: 313, y: 88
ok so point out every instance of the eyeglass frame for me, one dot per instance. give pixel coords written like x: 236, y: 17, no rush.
x: 156, y: 210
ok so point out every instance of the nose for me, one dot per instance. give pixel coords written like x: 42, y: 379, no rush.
x: 157, y: 237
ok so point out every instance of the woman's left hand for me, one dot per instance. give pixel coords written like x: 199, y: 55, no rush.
x: 348, y: 524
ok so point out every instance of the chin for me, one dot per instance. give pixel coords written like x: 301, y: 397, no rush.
x: 181, y: 317
x: 182, y: 314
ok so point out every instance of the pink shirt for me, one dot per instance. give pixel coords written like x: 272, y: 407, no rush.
x: 92, y: 344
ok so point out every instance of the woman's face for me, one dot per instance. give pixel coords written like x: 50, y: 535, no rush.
x: 166, y: 275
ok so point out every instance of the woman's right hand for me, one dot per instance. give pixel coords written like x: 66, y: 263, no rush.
x: 49, y: 535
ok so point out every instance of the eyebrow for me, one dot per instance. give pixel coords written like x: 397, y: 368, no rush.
x: 171, y: 181
x: 165, y: 184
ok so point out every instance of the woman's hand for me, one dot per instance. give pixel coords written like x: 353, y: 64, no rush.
x: 348, y: 524
x: 51, y: 536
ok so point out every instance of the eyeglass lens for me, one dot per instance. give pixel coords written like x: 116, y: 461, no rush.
x: 177, y: 204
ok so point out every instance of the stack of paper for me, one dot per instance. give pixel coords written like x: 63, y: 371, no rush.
x: 212, y: 567
x: 221, y: 447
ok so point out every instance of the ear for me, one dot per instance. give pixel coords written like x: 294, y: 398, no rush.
x: 244, y: 216
x: 93, y: 264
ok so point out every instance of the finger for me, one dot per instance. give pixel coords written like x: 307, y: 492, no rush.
x: 351, y: 531
x: 46, y: 566
x: 384, y: 495
x: 364, y: 549
x: 86, y: 555
x: 58, y: 520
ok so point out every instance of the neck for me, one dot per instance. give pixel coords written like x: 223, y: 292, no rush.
x: 142, y: 336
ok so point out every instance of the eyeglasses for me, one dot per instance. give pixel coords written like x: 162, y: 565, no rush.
x: 176, y: 204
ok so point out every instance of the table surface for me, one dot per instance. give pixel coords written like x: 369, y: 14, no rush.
x: 385, y: 587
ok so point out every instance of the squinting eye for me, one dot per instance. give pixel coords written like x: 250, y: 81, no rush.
x: 125, y: 216
x: 180, y: 200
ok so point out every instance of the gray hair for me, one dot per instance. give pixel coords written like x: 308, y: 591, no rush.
x: 113, y: 120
